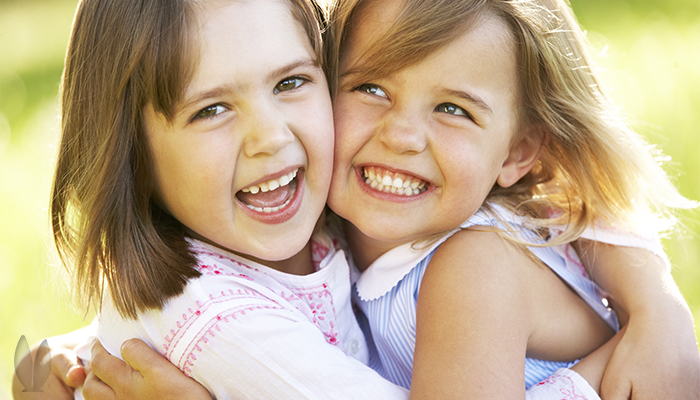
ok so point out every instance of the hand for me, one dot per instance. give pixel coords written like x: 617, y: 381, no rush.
x: 67, y: 372
x: 657, y: 358
x: 592, y: 367
x: 144, y: 374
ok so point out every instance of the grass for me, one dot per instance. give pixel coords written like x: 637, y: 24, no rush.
x: 650, y: 49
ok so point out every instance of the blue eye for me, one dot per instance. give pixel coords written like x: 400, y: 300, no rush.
x: 288, y: 84
x: 371, y: 89
x: 209, y: 111
x: 449, y: 108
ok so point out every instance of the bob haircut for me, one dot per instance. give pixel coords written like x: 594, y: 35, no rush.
x: 122, y: 56
x: 593, y: 167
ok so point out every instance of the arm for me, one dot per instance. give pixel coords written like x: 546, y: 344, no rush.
x: 66, y: 372
x: 247, y: 346
x: 658, y: 355
x: 144, y: 374
x: 473, y: 322
x: 482, y: 307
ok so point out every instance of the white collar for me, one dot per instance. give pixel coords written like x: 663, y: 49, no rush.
x: 387, y: 270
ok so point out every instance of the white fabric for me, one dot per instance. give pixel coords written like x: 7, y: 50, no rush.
x: 564, y: 384
x: 261, y: 333
x: 246, y: 331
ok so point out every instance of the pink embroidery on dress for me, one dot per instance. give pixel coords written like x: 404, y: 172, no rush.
x: 208, y: 330
x: 319, y: 251
x: 574, y: 259
x: 216, y: 270
x: 187, y: 321
x: 322, y: 309
x: 569, y: 391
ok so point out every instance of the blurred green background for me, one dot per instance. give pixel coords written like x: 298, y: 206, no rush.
x: 650, y: 50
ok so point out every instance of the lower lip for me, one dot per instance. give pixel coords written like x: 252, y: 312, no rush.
x: 283, y: 215
x: 396, y: 198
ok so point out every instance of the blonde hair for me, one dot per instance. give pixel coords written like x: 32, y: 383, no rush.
x: 122, y: 56
x: 594, y: 168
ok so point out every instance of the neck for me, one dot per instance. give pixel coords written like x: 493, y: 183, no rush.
x: 298, y: 264
x: 365, y: 250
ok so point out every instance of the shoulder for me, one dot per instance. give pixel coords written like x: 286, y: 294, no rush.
x: 482, y: 274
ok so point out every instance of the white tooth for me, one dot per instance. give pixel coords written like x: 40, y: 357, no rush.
x: 365, y: 172
x: 407, y: 183
x: 254, y: 189
x: 400, y: 190
x: 386, y: 181
x: 245, y: 190
x: 284, y: 181
x: 374, y: 184
x: 416, y: 191
x: 258, y: 209
x: 272, y: 185
x: 415, y: 184
x: 380, y: 187
x: 267, y: 210
x: 295, y: 173
x: 394, y: 189
x: 422, y: 185
x: 264, y: 187
x: 372, y: 175
x: 397, y: 183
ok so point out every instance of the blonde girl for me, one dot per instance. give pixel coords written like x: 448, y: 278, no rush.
x: 473, y: 144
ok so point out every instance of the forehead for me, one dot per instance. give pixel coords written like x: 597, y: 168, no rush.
x: 240, y: 39
x: 482, y: 60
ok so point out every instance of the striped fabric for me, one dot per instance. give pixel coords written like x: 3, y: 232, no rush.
x: 392, y: 315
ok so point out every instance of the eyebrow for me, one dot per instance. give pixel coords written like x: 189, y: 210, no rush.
x: 229, y: 88
x: 474, y: 99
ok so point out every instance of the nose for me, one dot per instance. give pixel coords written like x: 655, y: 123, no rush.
x: 403, y: 132
x: 266, y: 130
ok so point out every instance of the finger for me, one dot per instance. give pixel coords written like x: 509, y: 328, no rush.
x: 95, y: 389
x: 139, y: 356
x: 108, y: 368
x: 66, y: 366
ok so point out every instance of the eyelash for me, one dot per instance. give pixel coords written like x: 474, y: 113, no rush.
x: 366, y: 87
x: 442, y: 108
x: 302, y: 80
x: 370, y: 88
x: 298, y: 80
x: 199, y: 115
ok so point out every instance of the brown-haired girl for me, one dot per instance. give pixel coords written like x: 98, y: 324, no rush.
x: 193, y: 167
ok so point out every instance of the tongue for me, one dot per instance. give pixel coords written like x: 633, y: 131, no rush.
x: 273, y: 198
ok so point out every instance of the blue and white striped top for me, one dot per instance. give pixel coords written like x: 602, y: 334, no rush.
x: 388, y: 291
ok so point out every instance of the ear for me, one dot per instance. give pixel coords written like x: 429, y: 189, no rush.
x: 522, y: 156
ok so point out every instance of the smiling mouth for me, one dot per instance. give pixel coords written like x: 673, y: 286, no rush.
x: 272, y: 195
x: 386, y: 181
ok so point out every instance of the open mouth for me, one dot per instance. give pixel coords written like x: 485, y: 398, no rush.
x: 272, y: 195
x: 386, y: 181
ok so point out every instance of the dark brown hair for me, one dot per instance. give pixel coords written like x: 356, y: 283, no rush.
x: 122, y: 56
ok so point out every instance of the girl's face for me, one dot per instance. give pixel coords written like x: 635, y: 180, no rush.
x: 245, y: 163
x: 418, y: 151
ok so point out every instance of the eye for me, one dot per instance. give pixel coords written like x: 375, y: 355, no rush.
x: 449, y: 108
x: 371, y: 89
x: 209, y: 112
x: 288, y: 84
